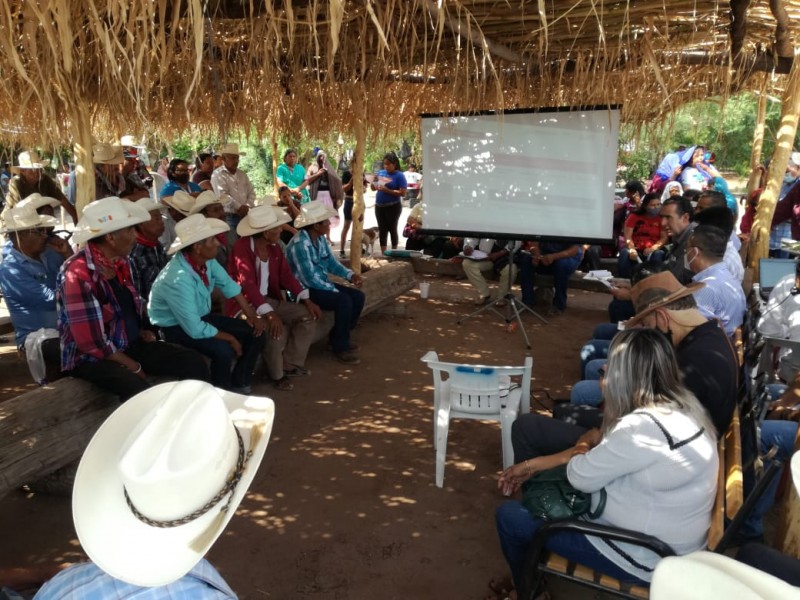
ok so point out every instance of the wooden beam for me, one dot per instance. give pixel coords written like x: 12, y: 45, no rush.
x: 783, y: 39
x: 790, y: 111
x: 758, y: 138
x: 738, y: 25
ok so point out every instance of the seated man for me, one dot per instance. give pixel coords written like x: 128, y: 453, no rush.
x: 722, y: 218
x: 260, y: 267
x: 180, y: 304
x: 30, y: 264
x: 484, y: 256
x: 29, y: 178
x: 781, y: 319
x: 178, y: 174
x: 108, y: 181
x: 43, y: 205
x: 722, y: 296
x: 435, y: 246
x: 149, y: 542
x: 101, y: 315
x: 148, y: 256
x: 311, y: 259
x: 558, y: 259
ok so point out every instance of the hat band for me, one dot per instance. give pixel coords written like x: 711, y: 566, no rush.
x: 228, y: 488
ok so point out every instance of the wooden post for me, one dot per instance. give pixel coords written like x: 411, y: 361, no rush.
x: 790, y: 111
x: 360, y: 131
x: 274, y: 140
x: 84, y: 163
x: 758, y: 139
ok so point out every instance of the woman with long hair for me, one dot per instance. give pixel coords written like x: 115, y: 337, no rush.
x: 655, y: 456
x: 391, y: 187
x: 643, y: 236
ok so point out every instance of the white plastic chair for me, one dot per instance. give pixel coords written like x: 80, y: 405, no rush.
x: 476, y: 392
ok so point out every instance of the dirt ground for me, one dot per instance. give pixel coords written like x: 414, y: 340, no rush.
x: 345, y: 504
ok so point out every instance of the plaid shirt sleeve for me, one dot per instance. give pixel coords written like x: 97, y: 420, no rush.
x: 81, y: 314
x: 303, y: 260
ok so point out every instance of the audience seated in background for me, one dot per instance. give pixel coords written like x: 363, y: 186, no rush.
x: 259, y: 266
x: 655, y: 456
x: 781, y: 319
x: 643, y: 236
x: 785, y: 218
x: 101, y: 321
x: 676, y: 216
x: 431, y: 245
x: 135, y: 188
x: 204, y: 167
x: 179, y: 206
x: 312, y: 260
x: 43, y: 205
x: 491, y: 256
x: 28, y: 177
x: 232, y: 186
x: 558, y: 259
x: 149, y: 542
x: 178, y: 175
x: 108, y: 181
x: 148, y: 256
x: 30, y: 263
x: 721, y: 218
x: 180, y: 305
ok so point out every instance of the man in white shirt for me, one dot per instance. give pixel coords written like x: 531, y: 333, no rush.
x: 233, y: 186
x: 781, y: 319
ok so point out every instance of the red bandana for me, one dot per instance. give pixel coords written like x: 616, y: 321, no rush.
x: 120, y: 267
x: 222, y: 239
x: 201, y: 271
x: 145, y: 242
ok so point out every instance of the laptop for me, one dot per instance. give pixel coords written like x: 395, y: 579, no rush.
x: 771, y: 271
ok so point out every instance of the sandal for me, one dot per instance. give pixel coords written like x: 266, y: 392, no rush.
x: 501, y: 587
x: 284, y: 384
x: 296, y: 372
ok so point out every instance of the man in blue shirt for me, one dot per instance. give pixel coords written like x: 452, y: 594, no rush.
x: 31, y: 261
x: 178, y: 175
x: 722, y: 297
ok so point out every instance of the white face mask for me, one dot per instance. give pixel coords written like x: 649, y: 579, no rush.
x: 789, y: 178
x: 687, y: 263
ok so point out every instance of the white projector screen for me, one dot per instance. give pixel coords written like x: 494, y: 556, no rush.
x: 522, y: 174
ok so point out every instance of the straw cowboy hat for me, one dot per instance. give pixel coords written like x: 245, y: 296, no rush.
x: 656, y: 291
x: 28, y: 160
x: 23, y: 217
x: 180, y: 201
x: 195, y: 228
x: 204, y: 199
x: 150, y: 205
x: 128, y: 141
x: 313, y: 212
x: 38, y: 201
x: 163, y: 476
x: 106, y: 154
x: 230, y: 149
x: 262, y: 218
x: 107, y: 215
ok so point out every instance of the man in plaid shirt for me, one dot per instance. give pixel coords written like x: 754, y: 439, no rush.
x: 100, y: 313
x: 148, y: 256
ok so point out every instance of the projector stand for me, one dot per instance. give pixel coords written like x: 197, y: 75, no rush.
x: 515, y: 308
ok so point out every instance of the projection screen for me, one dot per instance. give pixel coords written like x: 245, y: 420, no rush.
x: 521, y: 174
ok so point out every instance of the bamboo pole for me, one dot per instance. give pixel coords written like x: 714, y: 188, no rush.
x: 274, y: 140
x: 790, y: 111
x: 84, y: 163
x: 360, y: 131
x: 758, y: 139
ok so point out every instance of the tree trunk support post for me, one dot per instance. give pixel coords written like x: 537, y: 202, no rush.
x: 758, y: 139
x: 358, y: 190
x: 790, y: 112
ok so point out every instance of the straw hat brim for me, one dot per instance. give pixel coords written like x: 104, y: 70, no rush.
x: 18, y: 169
x: 84, y: 234
x: 113, y: 537
x: 211, y: 228
x: 244, y: 228
x: 44, y: 221
x: 302, y: 221
x: 686, y: 290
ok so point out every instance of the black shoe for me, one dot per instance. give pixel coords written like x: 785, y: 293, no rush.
x: 347, y: 358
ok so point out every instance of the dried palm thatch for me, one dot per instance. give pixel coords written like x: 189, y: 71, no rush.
x: 107, y: 67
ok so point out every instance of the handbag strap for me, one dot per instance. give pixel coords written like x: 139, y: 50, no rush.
x: 601, y: 506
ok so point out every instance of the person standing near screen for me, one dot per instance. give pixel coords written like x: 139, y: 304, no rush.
x: 391, y: 187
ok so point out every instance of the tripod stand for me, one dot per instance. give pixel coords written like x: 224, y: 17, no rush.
x: 514, y: 308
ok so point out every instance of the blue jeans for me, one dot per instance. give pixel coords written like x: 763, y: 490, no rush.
x: 232, y: 219
x: 586, y: 393
x: 620, y: 310
x: 346, y: 305
x: 561, y: 270
x: 516, y: 528
x: 625, y: 264
x: 592, y: 350
x: 221, y: 352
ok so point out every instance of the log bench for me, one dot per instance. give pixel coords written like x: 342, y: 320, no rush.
x: 48, y: 428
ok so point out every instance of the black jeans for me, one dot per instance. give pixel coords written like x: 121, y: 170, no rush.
x: 346, y: 305
x: 388, y: 216
x: 157, y: 358
x: 221, y: 353
x: 535, y: 435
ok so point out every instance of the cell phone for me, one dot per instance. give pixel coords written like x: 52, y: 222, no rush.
x: 707, y: 156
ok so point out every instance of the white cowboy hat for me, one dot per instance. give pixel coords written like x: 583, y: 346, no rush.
x: 23, y: 217
x: 204, y: 199
x: 106, y: 154
x: 38, y: 201
x: 180, y: 201
x: 313, y: 212
x: 180, y: 454
x: 195, y: 228
x: 262, y: 218
x: 150, y: 205
x: 230, y: 149
x: 107, y: 215
x: 28, y: 160
x: 128, y: 140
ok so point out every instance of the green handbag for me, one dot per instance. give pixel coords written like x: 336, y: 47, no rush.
x: 549, y: 495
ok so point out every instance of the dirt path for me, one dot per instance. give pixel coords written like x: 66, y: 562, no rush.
x: 345, y: 504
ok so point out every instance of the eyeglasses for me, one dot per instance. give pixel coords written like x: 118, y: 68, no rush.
x: 181, y: 170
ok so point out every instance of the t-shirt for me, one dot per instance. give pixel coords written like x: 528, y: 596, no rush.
x: 646, y: 230
x: 200, y: 176
x: 397, y: 181
x: 347, y: 177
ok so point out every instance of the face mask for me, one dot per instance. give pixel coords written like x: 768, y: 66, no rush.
x: 687, y: 262
x: 182, y: 178
x: 654, y: 212
x: 788, y: 178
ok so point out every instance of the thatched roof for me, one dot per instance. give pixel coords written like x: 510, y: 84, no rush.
x: 159, y: 67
